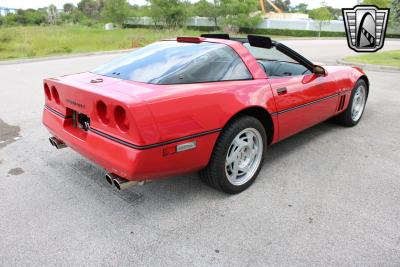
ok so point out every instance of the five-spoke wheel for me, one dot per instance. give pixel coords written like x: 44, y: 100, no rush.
x: 238, y: 155
x: 355, y: 110
x: 244, y: 156
x: 359, y: 100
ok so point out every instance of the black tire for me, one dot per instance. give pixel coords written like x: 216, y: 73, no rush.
x: 214, y: 174
x: 345, y: 118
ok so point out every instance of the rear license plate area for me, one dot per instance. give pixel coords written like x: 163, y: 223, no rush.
x: 80, y: 120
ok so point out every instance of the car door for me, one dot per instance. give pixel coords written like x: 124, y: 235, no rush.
x: 302, y: 98
x: 303, y: 101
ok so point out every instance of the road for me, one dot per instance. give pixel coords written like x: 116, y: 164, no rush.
x: 328, y: 196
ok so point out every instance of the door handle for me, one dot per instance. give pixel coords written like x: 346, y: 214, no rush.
x: 281, y: 91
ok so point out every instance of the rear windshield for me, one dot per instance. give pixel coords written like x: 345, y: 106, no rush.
x: 170, y: 62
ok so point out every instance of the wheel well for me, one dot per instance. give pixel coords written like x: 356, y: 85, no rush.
x: 366, y: 80
x: 263, y: 116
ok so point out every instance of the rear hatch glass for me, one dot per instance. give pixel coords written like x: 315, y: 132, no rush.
x: 171, y: 62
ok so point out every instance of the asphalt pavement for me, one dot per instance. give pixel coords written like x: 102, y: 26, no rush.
x: 327, y: 196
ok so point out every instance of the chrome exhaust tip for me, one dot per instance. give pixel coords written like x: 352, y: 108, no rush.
x: 51, y: 141
x: 122, y: 184
x: 109, y: 178
x: 57, y: 143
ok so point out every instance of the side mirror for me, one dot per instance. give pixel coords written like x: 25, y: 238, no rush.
x: 319, y: 71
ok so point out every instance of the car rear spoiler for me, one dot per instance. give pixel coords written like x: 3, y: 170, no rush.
x: 267, y: 43
x: 224, y: 36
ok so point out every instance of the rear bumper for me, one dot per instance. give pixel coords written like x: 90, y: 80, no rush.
x: 126, y: 161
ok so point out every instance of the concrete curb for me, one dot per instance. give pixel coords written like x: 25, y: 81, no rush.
x: 369, y: 66
x: 40, y: 59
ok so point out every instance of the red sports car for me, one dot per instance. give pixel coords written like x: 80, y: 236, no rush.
x: 211, y: 104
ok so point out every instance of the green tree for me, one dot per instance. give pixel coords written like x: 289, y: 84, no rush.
x: 139, y: 11
x: 10, y: 19
x: 91, y: 8
x: 336, y: 12
x: 322, y: 15
x: 37, y: 17
x: 396, y: 10
x: 240, y: 14
x: 30, y: 17
x: 20, y: 17
x: 25, y: 17
x: 283, y: 5
x: 116, y: 11
x: 300, y: 8
x: 68, y: 8
x: 77, y: 16
x: 211, y: 10
x: 171, y: 13
x: 74, y: 16
x: 378, y: 3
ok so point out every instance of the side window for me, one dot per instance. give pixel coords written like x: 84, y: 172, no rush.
x: 221, y: 64
x: 277, y: 64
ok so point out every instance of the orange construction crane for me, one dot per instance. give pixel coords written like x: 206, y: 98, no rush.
x: 264, y: 10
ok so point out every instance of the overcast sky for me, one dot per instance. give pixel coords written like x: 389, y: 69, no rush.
x: 59, y: 3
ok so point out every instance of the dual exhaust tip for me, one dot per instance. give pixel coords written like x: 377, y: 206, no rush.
x: 54, y: 141
x: 113, y: 179
x: 119, y: 182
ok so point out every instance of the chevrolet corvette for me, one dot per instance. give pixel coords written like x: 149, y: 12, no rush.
x: 211, y: 104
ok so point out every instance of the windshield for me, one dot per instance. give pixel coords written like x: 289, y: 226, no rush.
x: 171, y: 62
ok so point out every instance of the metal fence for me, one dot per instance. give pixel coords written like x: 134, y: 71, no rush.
x: 290, y: 24
x: 283, y: 24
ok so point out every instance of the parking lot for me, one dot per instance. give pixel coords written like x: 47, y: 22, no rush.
x: 327, y: 196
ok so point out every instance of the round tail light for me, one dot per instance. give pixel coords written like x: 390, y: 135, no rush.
x: 47, y: 91
x: 55, y: 95
x: 121, y: 118
x: 101, y: 108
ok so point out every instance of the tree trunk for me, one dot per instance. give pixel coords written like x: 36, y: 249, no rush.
x: 320, y: 29
x: 216, y: 23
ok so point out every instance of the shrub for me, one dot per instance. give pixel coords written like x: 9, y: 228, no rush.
x: 6, y: 37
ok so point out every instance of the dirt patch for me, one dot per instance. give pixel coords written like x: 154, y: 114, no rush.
x: 16, y: 171
x: 8, y: 133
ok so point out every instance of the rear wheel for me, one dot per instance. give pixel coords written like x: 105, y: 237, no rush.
x: 355, y: 110
x: 237, y: 157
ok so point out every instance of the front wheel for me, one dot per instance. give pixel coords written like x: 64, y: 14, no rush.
x: 355, y: 110
x: 237, y: 157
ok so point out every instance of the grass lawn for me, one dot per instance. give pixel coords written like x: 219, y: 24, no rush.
x: 39, y: 41
x: 36, y: 41
x: 388, y: 58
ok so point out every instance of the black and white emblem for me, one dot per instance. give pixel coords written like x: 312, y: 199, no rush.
x: 366, y: 27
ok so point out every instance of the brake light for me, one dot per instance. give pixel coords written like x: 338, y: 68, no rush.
x: 102, y: 112
x: 121, y: 118
x: 47, y: 91
x: 55, y: 95
x: 196, y: 40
